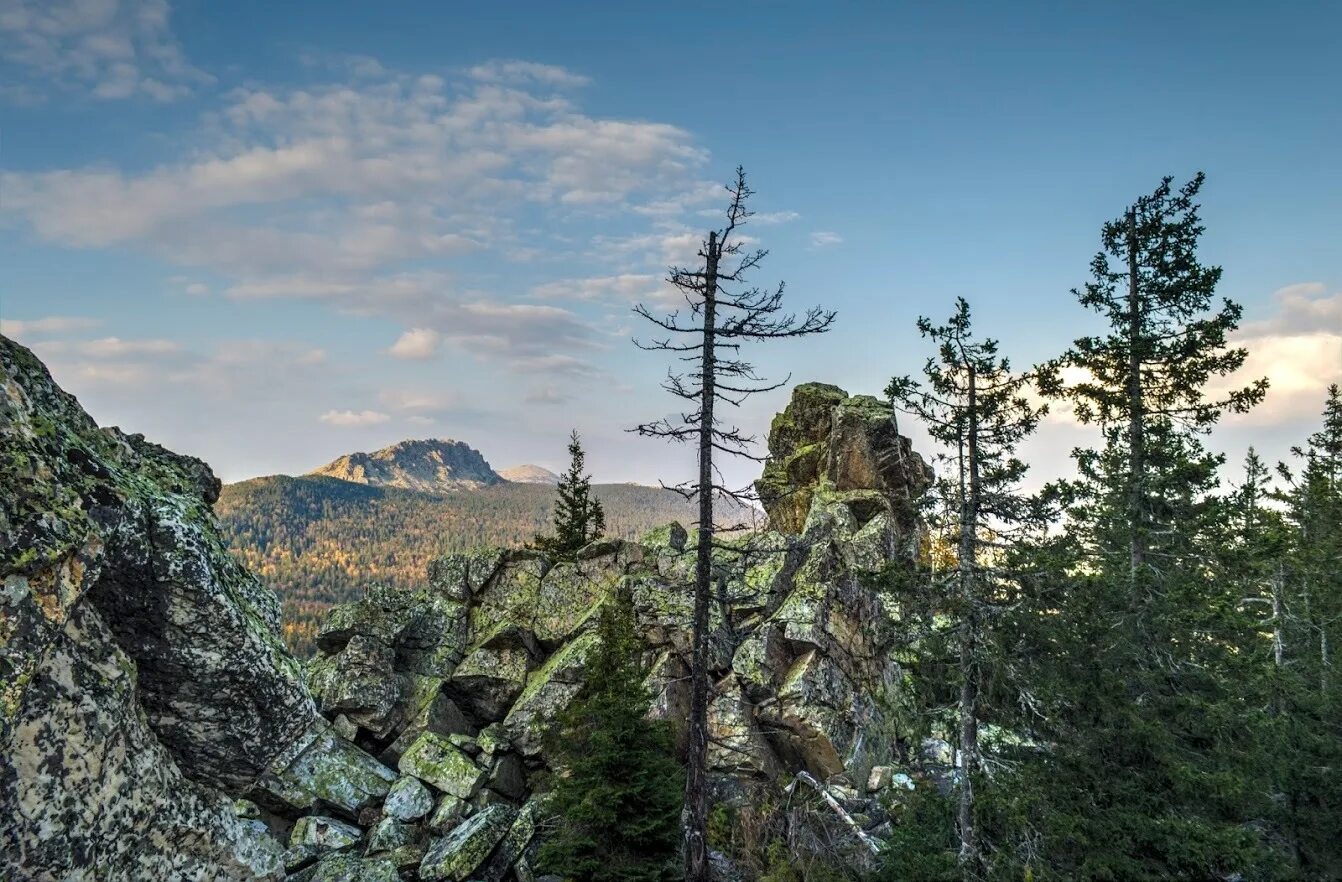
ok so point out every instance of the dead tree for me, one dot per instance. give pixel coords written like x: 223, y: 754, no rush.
x: 722, y: 313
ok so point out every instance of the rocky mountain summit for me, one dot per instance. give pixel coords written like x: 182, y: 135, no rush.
x: 529, y: 474
x: 430, y: 466
x: 154, y: 727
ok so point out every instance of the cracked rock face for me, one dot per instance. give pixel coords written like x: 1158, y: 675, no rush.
x: 826, y: 439
x: 144, y: 690
x: 805, y: 679
x: 143, y: 683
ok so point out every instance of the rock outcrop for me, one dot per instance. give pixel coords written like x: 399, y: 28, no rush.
x: 154, y: 727
x: 143, y: 684
x: 826, y: 440
x: 458, y: 683
x: 431, y: 466
x: 529, y: 474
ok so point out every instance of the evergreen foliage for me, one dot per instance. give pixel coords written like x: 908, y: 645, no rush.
x: 976, y: 409
x: 1139, y: 658
x: 578, y: 515
x: 618, y: 807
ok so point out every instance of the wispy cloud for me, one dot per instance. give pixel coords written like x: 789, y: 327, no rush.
x: 352, y: 418
x: 52, y: 324
x: 361, y: 193
x: 546, y: 395
x: 108, y: 49
x: 515, y: 72
x: 108, y: 348
x: 825, y: 238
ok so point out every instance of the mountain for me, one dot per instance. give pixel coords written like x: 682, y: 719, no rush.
x: 318, y: 541
x: 430, y: 466
x: 530, y: 474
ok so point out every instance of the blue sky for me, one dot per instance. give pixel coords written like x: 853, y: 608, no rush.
x: 268, y: 234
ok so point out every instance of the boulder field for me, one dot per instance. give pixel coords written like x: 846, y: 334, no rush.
x: 153, y: 726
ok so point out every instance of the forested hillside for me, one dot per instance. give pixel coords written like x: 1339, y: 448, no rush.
x: 318, y: 541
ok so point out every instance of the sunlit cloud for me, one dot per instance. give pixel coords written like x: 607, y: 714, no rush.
x: 351, y: 418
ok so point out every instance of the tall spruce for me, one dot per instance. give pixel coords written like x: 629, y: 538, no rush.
x: 723, y: 311
x: 1310, y: 788
x: 578, y: 516
x: 1145, y: 381
x: 1142, y: 646
x: 617, y: 806
x: 977, y: 410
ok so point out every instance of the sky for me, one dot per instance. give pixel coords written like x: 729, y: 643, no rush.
x: 267, y: 234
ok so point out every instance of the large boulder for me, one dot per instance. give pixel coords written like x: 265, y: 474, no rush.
x: 827, y: 439
x: 143, y: 681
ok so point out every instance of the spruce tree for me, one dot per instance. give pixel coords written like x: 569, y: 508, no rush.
x: 977, y: 410
x: 578, y: 517
x: 618, y: 806
x: 1309, y: 694
x: 1139, y: 659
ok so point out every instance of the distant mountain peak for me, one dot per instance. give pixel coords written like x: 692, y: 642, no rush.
x: 431, y: 465
x: 529, y: 474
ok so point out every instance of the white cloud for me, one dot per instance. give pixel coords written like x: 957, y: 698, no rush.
x: 417, y: 343
x: 115, y: 347
x: 349, y: 418
x: 52, y: 324
x: 1306, y: 307
x: 359, y: 194
x: 513, y: 71
x: 556, y: 365
x: 825, y: 238
x: 1299, y: 350
x: 769, y: 218
x: 109, y: 49
x: 417, y: 401
x: 626, y: 288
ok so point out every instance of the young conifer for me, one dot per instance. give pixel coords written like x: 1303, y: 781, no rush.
x: 578, y: 516
x: 618, y: 805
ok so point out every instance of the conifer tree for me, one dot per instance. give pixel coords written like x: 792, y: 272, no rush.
x: 976, y: 408
x: 1146, y: 779
x: 724, y: 311
x: 618, y: 806
x: 1309, y: 694
x: 578, y: 517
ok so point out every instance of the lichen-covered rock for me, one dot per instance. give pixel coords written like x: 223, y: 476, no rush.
x: 549, y: 690
x: 506, y: 854
x: 320, y: 765
x: 454, y: 857
x: 348, y: 868
x: 408, y: 800
x: 143, y: 682
x: 802, y: 648
x: 449, y: 812
x: 395, y: 841
x: 325, y: 834
x: 141, y: 672
x: 823, y: 438
x: 437, y: 761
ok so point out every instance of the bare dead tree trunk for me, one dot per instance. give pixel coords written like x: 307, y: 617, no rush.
x: 696, y: 789
x: 724, y: 312
x: 1136, y: 410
